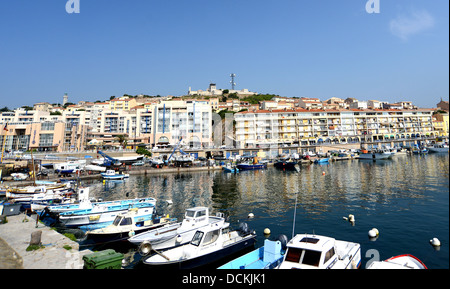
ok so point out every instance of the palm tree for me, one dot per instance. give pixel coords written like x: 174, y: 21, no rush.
x: 122, y: 139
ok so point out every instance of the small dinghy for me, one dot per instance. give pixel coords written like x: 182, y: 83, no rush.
x: 405, y: 261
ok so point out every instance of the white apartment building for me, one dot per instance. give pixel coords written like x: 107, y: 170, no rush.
x: 308, y: 127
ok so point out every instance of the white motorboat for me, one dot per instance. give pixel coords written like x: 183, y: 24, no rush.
x: 19, y: 176
x: 306, y: 251
x: 127, y: 225
x: 179, y: 233
x: 438, y: 148
x: 94, y: 168
x: 405, y: 261
x: 210, y: 244
x: 375, y: 155
x: 112, y: 175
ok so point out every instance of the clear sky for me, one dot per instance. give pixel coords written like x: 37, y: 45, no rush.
x: 310, y: 48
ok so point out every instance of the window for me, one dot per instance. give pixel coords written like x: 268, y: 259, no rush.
x: 211, y: 237
x: 328, y: 255
x: 293, y: 255
x: 197, y: 238
x: 311, y: 258
x: 126, y: 221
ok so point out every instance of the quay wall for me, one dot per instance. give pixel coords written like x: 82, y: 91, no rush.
x: 57, y: 252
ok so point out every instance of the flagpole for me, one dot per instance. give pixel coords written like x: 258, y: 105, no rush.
x: 4, y: 141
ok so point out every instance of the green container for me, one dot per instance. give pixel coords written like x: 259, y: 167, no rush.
x: 106, y: 259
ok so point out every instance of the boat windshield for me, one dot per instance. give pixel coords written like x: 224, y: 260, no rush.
x: 117, y: 220
x: 197, y: 238
x: 302, y: 256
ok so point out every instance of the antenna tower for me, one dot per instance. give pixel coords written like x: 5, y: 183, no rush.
x: 232, y: 80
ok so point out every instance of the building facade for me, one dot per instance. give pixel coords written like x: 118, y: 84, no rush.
x: 310, y: 127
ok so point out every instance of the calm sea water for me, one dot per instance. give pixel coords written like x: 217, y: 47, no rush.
x: 406, y: 199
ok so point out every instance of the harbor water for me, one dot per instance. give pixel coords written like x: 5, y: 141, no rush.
x: 406, y: 198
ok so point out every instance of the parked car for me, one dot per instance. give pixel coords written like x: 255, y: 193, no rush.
x: 139, y: 163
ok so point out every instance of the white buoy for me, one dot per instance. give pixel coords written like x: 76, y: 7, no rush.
x: 373, y: 233
x: 435, y: 242
x: 266, y: 231
x: 179, y: 239
x: 251, y: 215
x: 351, y: 218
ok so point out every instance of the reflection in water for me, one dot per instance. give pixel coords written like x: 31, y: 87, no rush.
x: 405, y: 196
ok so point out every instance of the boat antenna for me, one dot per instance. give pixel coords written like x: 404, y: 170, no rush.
x: 295, y: 213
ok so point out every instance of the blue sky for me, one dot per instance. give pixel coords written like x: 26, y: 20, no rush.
x: 311, y: 48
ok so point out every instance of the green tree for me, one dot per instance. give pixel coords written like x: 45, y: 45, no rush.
x: 122, y: 139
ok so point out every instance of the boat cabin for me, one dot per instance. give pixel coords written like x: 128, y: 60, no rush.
x: 196, y: 215
x: 319, y: 252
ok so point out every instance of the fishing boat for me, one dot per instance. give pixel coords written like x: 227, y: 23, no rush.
x: 100, y: 216
x: 30, y: 191
x: 41, y: 200
x: 320, y: 252
x: 19, y: 176
x: 247, y: 166
x: 374, y: 155
x: 210, y: 244
x: 438, y: 148
x: 321, y: 160
x: 112, y: 175
x: 267, y: 257
x: 405, y: 261
x: 180, y: 233
x: 286, y: 164
x: 127, y: 225
x: 228, y: 168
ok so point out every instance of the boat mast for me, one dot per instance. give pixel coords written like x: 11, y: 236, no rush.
x: 4, y: 141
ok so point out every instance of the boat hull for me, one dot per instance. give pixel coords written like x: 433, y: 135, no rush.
x: 206, y: 259
x: 286, y: 165
x: 247, y: 167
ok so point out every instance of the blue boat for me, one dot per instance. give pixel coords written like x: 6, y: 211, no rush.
x: 246, y: 166
x: 102, y: 216
x: 267, y: 257
x: 230, y: 169
x: 321, y: 160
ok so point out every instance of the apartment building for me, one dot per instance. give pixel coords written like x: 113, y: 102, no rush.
x: 190, y: 120
x: 312, y: 126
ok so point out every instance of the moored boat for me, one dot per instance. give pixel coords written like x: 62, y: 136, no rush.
x: 374, y: 155
x: 177, y: 234
x: 267, y: 257
x: 404, y: 261
x: 438, y: 148
x: 100, y: 216
x: 127, y: 225
x: 306, y: 251
x: 228, y: 168
x: 112, y: 175
x: 210, y: 244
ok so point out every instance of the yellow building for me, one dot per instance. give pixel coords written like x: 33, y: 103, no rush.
x: 441, y: 123
x: 122, y: 103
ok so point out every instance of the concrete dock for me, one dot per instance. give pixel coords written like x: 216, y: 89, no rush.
x: 58, y: 252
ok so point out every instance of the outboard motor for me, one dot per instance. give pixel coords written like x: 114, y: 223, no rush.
x: 243, y: 228
x: 283, y: 240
